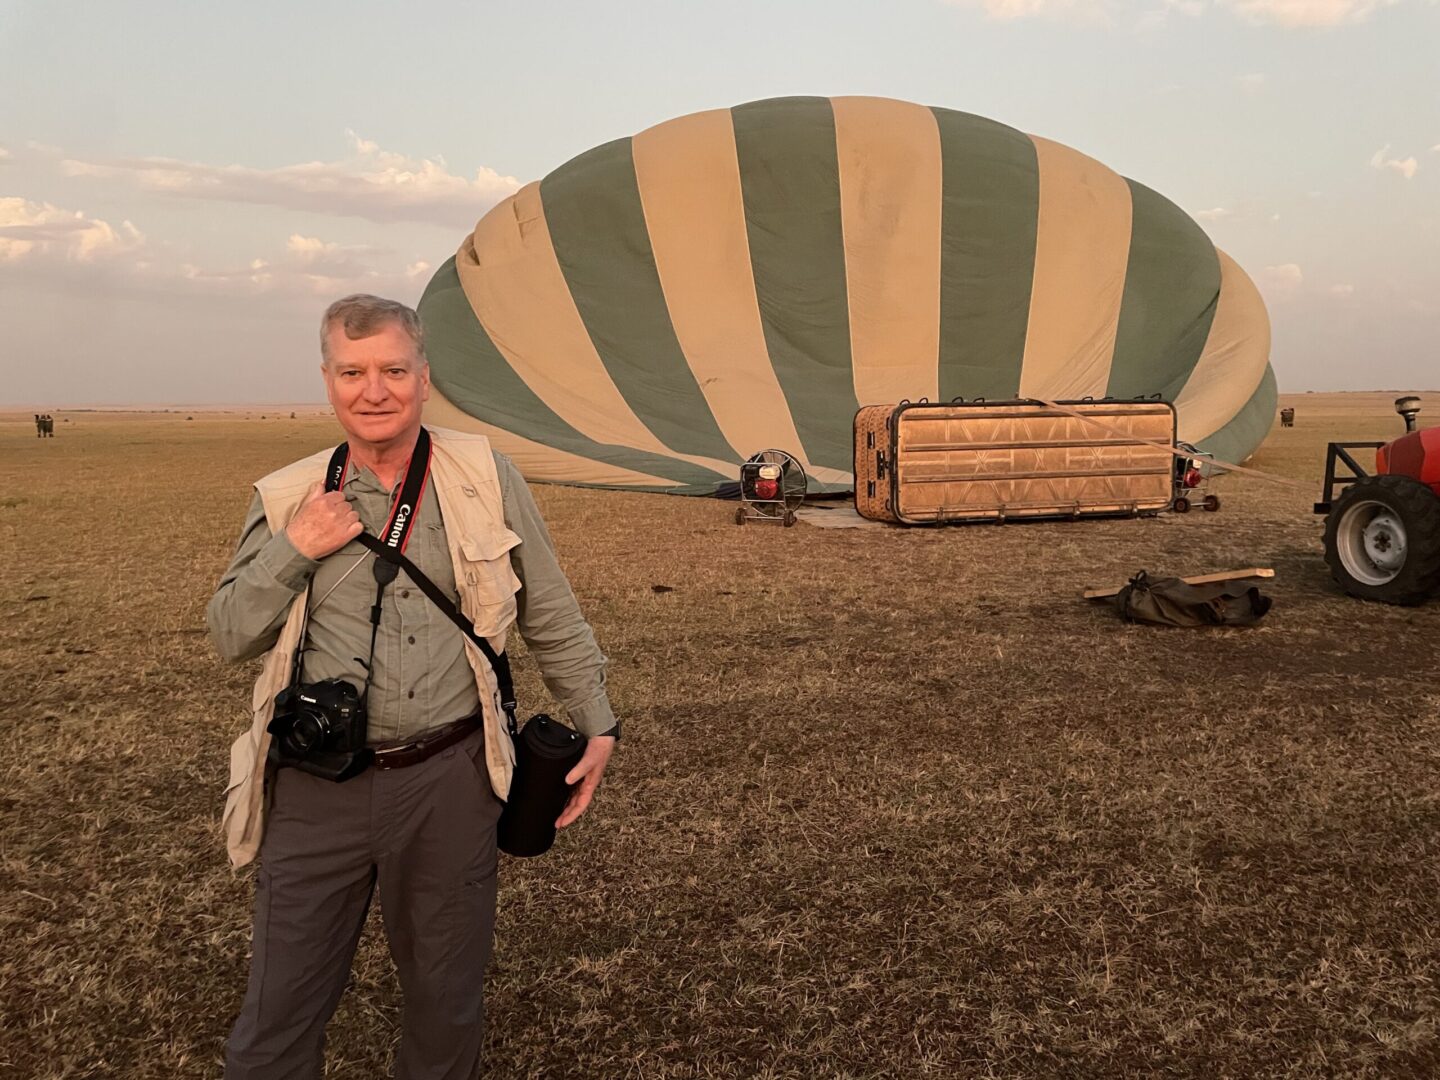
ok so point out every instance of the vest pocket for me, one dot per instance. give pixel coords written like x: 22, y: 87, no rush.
x: 488, y: 583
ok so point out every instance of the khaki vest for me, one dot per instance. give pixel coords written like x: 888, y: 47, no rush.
x: 463, y: 477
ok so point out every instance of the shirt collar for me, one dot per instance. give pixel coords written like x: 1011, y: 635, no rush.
x: 363, y: 480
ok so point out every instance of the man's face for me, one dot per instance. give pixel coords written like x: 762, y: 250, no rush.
x: 377, y: 385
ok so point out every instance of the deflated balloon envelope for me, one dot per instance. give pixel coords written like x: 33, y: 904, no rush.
x: 661, y: 307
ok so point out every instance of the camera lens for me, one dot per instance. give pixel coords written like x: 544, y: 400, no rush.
x: 306, y: 733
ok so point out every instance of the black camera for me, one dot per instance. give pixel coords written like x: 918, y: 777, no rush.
x: 319, y: 728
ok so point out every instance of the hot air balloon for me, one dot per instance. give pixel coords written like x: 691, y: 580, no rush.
x: 660, y: 308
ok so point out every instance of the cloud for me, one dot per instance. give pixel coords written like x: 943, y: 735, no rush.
x: 312, y: 265
x: 41, y: 243
x: 370, y: 183
x: 1150, y: 14
x: 1251, y: 84
x: 1281, y: 282
x: 1157, y: 18
x: 1248, y: 210
x: 1341, y: 291
x: 1406, y: 168
x: 40, y: 230
x: 312, y: 251
x: 1306, y: 12
x: 1089, y: 11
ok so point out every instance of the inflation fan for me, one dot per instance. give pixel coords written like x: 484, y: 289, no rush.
x: 772, y: 488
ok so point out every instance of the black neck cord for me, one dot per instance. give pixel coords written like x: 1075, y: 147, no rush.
x: 403, y: 512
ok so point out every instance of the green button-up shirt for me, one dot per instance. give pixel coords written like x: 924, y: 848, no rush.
x: 420, y: 676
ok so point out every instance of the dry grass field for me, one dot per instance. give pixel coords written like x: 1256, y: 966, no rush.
x: 891, y: 803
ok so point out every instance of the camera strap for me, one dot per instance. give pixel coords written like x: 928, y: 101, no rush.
x: 499, y: 662
x: 406, y: 504
x: 404, y: 509
x: 390, y: 558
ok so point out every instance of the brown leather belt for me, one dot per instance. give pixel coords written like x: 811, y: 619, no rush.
x: 400, y: 755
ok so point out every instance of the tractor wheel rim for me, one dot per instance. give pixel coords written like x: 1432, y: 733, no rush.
x: 1372, y: 543
x: 1385, y: 543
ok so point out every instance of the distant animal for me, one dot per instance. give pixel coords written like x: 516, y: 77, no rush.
x: 1287, y: 417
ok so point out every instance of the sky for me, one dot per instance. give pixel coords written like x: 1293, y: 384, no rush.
x: 185, y: 185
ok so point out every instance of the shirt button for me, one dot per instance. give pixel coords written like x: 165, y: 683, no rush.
x: 411, y: 694
x: 404, y: 594
x: 411, y: 639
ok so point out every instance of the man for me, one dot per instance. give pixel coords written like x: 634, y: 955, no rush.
x: 419, y: 822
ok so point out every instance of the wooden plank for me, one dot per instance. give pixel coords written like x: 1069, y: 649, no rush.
x: 1197, y: 579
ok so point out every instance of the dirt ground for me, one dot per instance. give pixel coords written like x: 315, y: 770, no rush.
x: 890, y: 803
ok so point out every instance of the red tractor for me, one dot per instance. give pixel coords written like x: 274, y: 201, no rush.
x: 1382, y: 533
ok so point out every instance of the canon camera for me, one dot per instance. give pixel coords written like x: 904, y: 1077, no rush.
x: 319, y: 728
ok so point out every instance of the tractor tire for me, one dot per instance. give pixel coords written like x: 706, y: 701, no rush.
x: 1181, y: 505
x: 1211, y: 503
x: 1382, y: 540
x: 740, y: 515
x: 789, y: 518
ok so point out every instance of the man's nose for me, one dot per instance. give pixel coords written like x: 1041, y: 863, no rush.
x: 375, y: 388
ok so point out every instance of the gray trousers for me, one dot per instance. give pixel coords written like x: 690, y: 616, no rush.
x: 426, y: 835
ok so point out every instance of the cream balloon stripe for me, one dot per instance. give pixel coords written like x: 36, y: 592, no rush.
x: 1234, y: 358
x: 520, y: 296
x: 1172, y: 282
x: 538, y: 462
x: 593, y: 211
x: 1239, y: 438
x: 472, y: 374
x: 888, y: 154
x: 797, y: 252
x: 1081, y: 250
x: 987, y: 254
x: 689, y: 183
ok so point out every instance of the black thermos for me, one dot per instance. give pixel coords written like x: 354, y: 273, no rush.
x: 545, y: 751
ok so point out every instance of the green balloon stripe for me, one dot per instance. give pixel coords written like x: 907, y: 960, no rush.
x: 990, y: 204
x: 472, y: 373
x: 790, y: 179
x: 597, y: 228
x: 1172, y: 284
x: 1244, y: 433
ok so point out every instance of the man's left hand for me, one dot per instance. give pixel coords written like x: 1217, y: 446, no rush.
x: 587, y: 775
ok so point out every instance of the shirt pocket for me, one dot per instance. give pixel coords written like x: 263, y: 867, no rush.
x: 488, y: 583
x: 430, y: 551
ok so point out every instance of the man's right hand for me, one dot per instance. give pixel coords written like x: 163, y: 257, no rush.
x: 324, y: 524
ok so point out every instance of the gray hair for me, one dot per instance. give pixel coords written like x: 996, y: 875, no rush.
x: 361, y: 315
